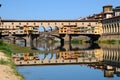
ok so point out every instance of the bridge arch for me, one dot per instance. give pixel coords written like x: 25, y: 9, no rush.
x: 42, y: 29
x: 49, y: 56
x: 48, y: 28
x: 14, y: 40
x: 20, y: 38
x: 55, y: 28
x: 42, y: 56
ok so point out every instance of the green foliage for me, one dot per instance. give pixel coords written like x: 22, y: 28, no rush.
x: 118, y: 41
x: 17, y: 49
x: 3, y: 62
x: 108, y: 41
x: 54, y: 41
x: 30, y: 54
x: 4, y: 47
x: 1, y: 42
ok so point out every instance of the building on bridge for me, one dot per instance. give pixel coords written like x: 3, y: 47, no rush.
x: 106, y: 24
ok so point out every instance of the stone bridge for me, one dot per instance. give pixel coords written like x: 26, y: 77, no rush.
x: 64, y: 27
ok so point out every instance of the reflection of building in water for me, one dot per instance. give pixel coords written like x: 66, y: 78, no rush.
x: 111, y: 70
x: 111, y: 57
x: 82, y: 55
x: 85, y: 54
x: 111, y: 53
x: 69, y: 55
x: 117, y: 71
x: 107, y: 59
x: 108, y: 71
x: 99, y: 54
x: 25, y: 56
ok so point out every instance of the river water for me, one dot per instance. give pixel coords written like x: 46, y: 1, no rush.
x: 106, y: 65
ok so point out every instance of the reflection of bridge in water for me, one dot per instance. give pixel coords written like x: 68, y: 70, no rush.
x: 67, y: 57
x: 106, y: 54
x: 107, y: 59
x: 64, y: 57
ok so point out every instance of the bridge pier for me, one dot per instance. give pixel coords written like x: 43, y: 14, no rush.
x: 13, y: 40
x: 67, y: 38
x: 93, y: 38
x: 29, y: 40
x: 0, y: 35
x: 62, y: 42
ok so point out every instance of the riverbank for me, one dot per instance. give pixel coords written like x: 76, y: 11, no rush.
x: 7, y: 68
x: 6, y: 71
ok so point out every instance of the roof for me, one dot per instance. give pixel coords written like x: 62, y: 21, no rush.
x: 112, y: 18
x: 107, y: 6
x: 117, y: 7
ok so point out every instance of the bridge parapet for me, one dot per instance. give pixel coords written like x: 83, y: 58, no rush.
x: 54, y: 62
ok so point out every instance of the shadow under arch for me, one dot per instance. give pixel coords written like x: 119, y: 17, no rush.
x: 19, y: 38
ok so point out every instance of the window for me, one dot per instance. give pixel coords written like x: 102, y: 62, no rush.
x: 41, y: 23
x: 82, y: 23
x: 19, y: 23
x: 61, y: 23
x: 89, y: 24
x: 55, y: 23
x: 69, y: 23
x: 21, y: 27
x: 48, y: 23
x: 27, y: 23
x: 34, y: 23
x: 75, y: 23
x: 12, y: 23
